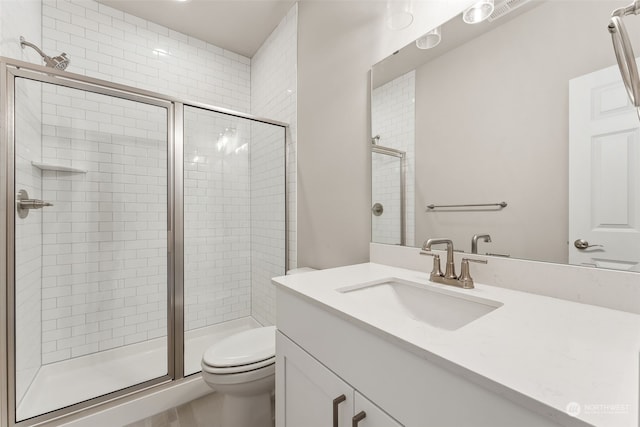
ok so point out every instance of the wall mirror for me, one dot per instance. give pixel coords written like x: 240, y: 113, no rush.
x: 524, y: 117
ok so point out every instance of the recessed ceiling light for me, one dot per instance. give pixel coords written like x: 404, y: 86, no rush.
x: 478, y: 12
x: 429, y: 40
x: 399, y: 14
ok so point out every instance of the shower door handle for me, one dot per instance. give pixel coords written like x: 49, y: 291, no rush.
x: 377, y: 209
x: 33, y: 204
x: 25, y: 204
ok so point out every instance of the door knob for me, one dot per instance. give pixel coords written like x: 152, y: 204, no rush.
x: 583, y: 244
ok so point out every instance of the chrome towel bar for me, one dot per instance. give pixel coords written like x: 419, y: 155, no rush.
x: 482, y: 205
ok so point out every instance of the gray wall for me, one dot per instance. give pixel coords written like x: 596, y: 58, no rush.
x: 338, y: 42
x: 333, y: 171
x: 509, y: 139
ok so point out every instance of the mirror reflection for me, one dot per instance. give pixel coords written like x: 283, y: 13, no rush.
x: 517, y: 131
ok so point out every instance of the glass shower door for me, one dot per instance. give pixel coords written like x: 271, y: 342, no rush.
x: 388, y: 196
x: 91, y: 249
x: 234, y: 226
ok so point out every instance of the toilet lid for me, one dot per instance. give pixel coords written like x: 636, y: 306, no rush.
x: 243, y: 348
x: 262, y: 365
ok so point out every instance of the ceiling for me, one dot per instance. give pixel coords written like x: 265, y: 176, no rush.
x: 240, y: 26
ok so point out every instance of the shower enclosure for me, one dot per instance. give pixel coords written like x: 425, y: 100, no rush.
x: 139, y: 228
x: 388, y: 195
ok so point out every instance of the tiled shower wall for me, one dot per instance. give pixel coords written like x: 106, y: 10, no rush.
x: 112, y: 45
x: 267, y: 217
x: 104, y: 275
x: 385, y: 184
x: 109, y: 44
x: 28, y: 236
x: 23, y: 18
x: 217, y: 218
x: 273, y: 95
x: 393, y: 118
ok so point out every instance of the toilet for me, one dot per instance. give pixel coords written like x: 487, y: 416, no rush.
x: 242, y: 367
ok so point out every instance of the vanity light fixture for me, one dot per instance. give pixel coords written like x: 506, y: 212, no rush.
x: 399, y: 14
x: 430, y: 40
x: 478, y: 12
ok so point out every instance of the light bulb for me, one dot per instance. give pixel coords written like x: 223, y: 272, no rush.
x: 429, y: 40
x: 478, y: 12
x: 399, y: 14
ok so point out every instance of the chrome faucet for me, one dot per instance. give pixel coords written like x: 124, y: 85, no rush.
x: 449, y: 277
x: 450, y: 269
x: 474, y: 241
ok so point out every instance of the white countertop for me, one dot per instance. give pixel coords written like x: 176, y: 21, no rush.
x: 551, y: 350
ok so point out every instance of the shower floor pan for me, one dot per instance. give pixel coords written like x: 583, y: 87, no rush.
x: 65, y: 383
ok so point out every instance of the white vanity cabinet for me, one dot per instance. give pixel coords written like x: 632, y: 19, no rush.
x: 310, y: 395
x: 323, y: 353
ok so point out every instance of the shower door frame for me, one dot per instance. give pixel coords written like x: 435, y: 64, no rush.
x: 10, y: 69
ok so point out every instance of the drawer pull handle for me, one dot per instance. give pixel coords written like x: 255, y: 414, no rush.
x: 358, y: 417
x: 336, y: 402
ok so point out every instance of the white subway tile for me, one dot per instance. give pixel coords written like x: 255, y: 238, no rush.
x: 133, y: 173
x: 71, y: 29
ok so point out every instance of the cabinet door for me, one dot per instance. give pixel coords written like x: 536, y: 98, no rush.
x: 305, y: 390
x: 375, y: 417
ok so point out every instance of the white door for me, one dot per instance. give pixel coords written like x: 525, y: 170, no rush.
x: 604, y: 172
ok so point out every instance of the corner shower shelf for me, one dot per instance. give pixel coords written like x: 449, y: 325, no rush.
x: 58, y: 168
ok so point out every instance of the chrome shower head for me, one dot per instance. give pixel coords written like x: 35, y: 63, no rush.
x: 60, y: 62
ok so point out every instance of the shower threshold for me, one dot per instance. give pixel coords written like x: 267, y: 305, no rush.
x: 61, y: 384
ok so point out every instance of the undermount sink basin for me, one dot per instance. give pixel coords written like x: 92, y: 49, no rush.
x: 435, y: 307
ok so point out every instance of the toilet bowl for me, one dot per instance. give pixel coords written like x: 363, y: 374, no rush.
x: 242, y: 368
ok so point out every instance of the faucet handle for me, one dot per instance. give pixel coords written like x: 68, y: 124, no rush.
x: 436, y: 271
x: 465, y: 277
x: 479, y: 261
